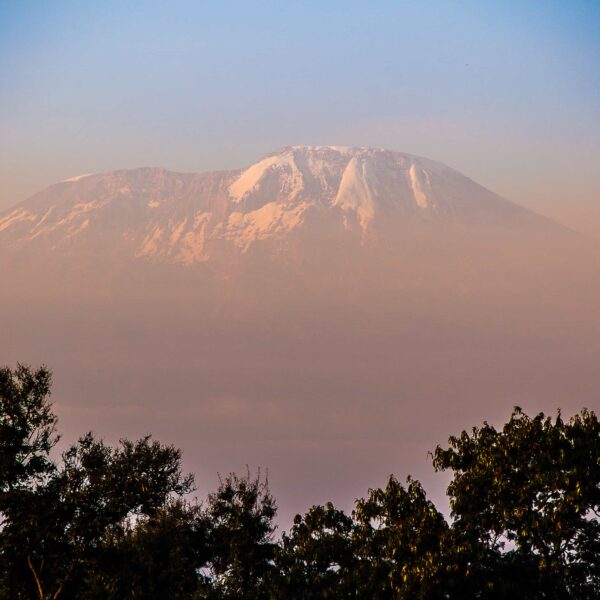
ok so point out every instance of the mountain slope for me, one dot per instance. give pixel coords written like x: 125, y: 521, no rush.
x: 362, y: 195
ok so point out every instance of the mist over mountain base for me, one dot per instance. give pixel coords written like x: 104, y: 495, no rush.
x: 328, y: 313
x: 331, y: 371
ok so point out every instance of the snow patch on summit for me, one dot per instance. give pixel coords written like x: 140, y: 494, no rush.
x: 355, y: 194
x: 418, y: 193
x: 77, y: 178
x: 250, y: 179
x: 269, y: 220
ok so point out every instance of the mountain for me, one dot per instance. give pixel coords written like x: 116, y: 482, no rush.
x: 360, y: 195
x: 327, y: 313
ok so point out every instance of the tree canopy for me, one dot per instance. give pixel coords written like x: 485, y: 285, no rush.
x: 528, y: 495
x: 117, y: 522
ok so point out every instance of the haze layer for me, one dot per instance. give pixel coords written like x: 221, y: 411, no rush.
x: 330, y: 313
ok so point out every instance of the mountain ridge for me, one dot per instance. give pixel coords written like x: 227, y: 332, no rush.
x: 359, y: 194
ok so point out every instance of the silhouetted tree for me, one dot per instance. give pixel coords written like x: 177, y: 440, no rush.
x: 316, y: 558
x: 156, y: 558
x: 239, y: 517
x: 27, y: 430
x: 56, y: 518
x: 528, y: 496
x: 109, y: 522
x: 27, y: 435
x: 399, y: 539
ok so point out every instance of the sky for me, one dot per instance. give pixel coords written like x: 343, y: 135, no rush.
x: 506, y: 92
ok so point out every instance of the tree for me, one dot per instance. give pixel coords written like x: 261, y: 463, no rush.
x: 239, y: 517
x: 155, y: 558
x: 110, y: 522
x: 316, y: 559
x: 55, y: 519
x: 399, y: 539
x: 27, y: 435
x: 393, y: 546
x: 95, y: 494
x: 529, y: 495
x: 27, y: 430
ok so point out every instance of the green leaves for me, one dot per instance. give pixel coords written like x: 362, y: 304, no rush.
x: 535, y: 484
x: 400, y: 532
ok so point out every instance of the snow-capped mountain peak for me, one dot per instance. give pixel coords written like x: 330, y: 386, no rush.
x: 189, y: 218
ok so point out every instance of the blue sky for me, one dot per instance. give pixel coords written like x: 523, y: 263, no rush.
x: 507, y: 92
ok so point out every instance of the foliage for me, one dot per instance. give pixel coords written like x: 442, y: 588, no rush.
x: 56, y: 518
x: 239, y: 518
x: 400, y: 537
x: 316, y: 558
x: 530, y: 493
x: 157, y: 557
x: 111, y: 522
x: 27, y: 435
x: 27, y: 428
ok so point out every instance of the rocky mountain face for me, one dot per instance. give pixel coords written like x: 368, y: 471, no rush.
x: 358, y: 195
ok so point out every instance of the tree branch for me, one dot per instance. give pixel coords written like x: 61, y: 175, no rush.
x: 37, y: 579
